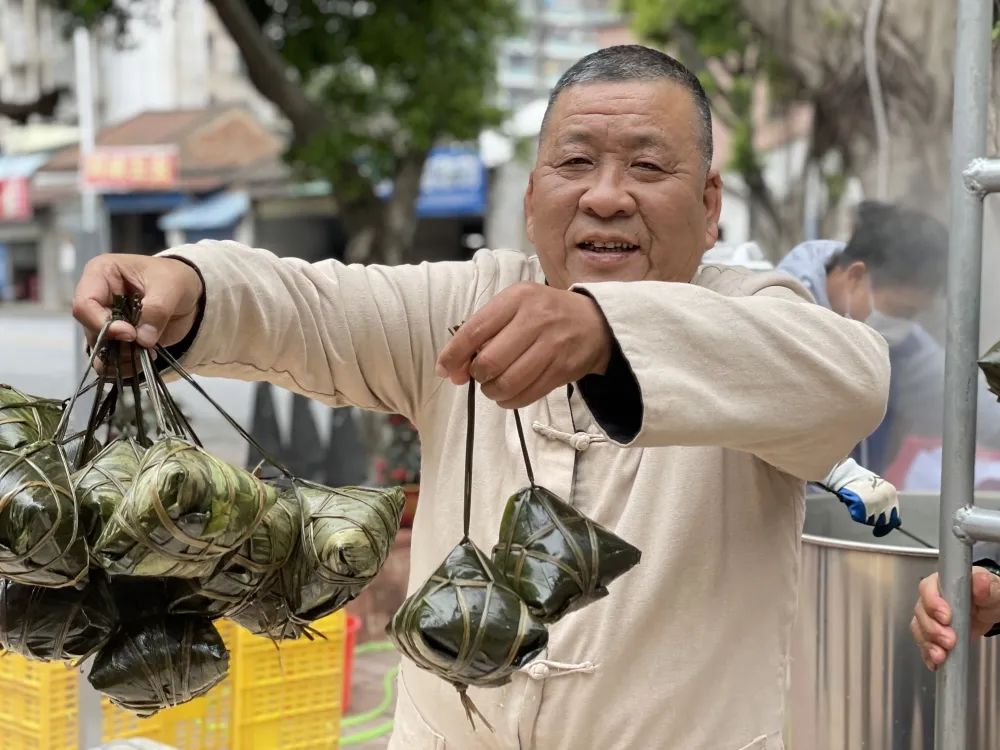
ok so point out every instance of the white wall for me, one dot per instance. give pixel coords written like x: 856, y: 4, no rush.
x: 182, y: 58
x: 141, y: 76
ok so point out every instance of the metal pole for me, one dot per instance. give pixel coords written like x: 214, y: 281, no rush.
x: 87, y: 241
x: 85, y: 113
x: 969, y: 122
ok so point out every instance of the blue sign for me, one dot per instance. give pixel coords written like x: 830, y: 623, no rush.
x: 453, y: 183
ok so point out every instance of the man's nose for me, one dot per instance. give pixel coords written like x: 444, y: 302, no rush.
x: 607, y: 196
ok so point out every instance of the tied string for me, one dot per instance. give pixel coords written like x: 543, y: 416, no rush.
x: 524, y: 448
x: 187, y: 377
x: 124, y: 308
x: 470, y: 431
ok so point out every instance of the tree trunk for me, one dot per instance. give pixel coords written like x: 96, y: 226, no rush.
x: 382, y: 231
x: 820, y: 46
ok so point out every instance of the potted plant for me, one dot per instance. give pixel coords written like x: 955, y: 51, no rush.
x: 397, y: 461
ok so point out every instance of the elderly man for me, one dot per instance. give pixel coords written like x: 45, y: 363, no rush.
x: 682, y: 407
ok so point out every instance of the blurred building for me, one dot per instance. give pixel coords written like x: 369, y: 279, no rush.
x: 557, y: 34
x: 176, y: 57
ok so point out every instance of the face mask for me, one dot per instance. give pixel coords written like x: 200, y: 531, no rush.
x: 894, y: 330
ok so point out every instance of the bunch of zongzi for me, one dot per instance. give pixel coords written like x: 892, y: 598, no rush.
x: 476, y: 621
x: 127, y: 552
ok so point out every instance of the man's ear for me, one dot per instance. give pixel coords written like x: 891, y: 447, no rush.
x: 857, y: 270
x: 529, y: 213
x: 712, y: 200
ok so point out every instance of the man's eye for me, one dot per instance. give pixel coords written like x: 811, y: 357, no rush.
x: 648, y: 165
x: 576, y: 161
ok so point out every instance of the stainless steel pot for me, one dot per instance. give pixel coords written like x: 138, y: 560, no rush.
x: 856, y: 679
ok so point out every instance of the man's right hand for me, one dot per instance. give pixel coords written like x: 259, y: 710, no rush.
x: 170, y: 292
x: 931, y: 623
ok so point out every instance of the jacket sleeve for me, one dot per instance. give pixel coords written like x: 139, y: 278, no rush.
x: 356, y: 335
x: 768, y: 373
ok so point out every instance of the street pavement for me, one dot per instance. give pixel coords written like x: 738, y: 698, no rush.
x: 37, y: 356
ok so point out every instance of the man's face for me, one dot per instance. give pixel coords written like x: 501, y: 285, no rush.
x: 903, y: 300
x: 620, y: 190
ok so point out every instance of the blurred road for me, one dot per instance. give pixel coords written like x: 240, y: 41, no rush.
x: 36, y: 356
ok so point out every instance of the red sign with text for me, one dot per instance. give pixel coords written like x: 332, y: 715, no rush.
x: 14, y: 201
x: 126, y: 169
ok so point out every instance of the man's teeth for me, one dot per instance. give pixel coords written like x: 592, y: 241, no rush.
x: 608, y: 246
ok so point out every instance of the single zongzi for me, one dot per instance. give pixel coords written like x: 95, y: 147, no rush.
x: 101, y: 485
x: 250, y: 569
x: 990, y: 365
x: 26, y: 419
x: 345, y: 540
x: 56, y: 624
x: 41, y: 538
x: 184, y: 511
x: 160, y: 662
x: 466, y: 625
x: 555, y: 557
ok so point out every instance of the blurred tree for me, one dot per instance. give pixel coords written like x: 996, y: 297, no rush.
x: 369, y: 86
x: 715, y: 39
x: 813, y: 51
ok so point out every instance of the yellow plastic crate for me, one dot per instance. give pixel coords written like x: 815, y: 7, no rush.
x: 38, y: 705
x: 273, y: 699
x: 289, y: 699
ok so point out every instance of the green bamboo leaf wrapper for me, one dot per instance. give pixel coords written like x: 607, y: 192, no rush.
x: 345, y: 539
x: 56, y: 624
x: 101, y: 485
x: 41, y: 538
x: 990, y: 365
x: 160, y: 662
x: 184, y: 511
x: 556, y: 558
x: 466, y: 625
x: 256, y: 564
x: 26, y: 419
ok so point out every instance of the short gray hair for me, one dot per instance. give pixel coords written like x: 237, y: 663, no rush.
x: 633, y: 62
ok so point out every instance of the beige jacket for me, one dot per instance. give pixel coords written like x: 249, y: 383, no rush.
x: 747, y: 389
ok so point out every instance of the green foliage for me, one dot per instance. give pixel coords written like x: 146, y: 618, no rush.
x: 718, y: 25
x: 720, y: 31
x: 393, y: 76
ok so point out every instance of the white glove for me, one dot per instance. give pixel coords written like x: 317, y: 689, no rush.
x: 870, y: 499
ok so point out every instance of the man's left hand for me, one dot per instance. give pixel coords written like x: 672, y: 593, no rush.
x: 527, y: 341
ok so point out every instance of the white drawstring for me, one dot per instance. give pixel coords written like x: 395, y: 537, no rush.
x: 578, y: 441
x: 543, y: 669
